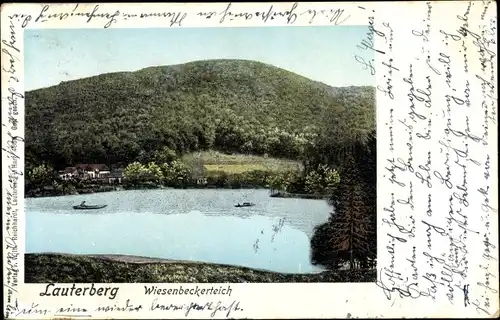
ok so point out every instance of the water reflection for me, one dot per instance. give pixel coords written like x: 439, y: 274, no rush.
x: 256, y: 245
x: 277, y: 228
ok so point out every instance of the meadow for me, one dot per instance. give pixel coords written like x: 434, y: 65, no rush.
x: 214, y: 161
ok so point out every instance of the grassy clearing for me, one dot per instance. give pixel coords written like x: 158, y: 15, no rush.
x: 239, y: 163
x: 60, y: 268
x: 234, y: 168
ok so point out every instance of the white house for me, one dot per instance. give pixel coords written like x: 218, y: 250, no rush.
x: 92, y: 171
x: 68, y: 173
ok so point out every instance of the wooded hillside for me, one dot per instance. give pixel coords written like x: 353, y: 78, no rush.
x: 226, y: 105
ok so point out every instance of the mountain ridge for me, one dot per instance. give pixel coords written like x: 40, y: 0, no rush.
x: 198, y: 61
x: 232, y: 105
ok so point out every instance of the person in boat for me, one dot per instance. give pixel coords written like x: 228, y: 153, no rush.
x: 82, y: 204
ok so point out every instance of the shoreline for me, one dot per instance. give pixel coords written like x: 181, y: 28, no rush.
x: 299, y: 196
x: 107, y: 268
x: 141, y: 260
x: 283, y: 195
x: 126, y: 188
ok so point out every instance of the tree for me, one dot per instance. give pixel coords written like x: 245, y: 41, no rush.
x: 38, y: 176
x: 322, y: 180
x: 321, y: 252
x: 294, y: 181
x: 220, y: 179
x: 153, y: 173
x: 331, y: 180
x: 276, y: 182
x: 351, y: 221
x: 135, y: 173
x: 197, y: 168
x: 313, y: 182
x: 368, y: 165
x: 175, y: 173
x: 165, y: 155
x: 350, y: 233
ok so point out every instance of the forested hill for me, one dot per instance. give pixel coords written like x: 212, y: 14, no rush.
x: 228, y: 105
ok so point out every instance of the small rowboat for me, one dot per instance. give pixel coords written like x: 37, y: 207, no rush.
x: 86, y: 207
x: 245, y: 204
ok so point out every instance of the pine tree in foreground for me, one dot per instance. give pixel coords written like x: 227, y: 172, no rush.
x: 351, y: 219
x: 350, y: 234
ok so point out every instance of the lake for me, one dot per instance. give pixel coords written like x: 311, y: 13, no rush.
x: 198, y: 225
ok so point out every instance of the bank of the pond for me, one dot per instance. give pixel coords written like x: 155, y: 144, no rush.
x: 65, y: 268
x: 298, y: 195
x: 52, y: 192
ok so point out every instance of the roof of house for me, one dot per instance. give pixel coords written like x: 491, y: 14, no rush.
x: 92, y: 166
x: 69, y: 170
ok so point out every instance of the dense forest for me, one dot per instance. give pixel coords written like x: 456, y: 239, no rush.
x: 227, y: 105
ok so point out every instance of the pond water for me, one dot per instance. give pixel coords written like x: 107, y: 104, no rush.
x: 198, y: 225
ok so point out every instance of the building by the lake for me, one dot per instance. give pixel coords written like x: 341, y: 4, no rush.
x: 92, y: 171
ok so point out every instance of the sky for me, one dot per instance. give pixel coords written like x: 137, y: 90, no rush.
x: 321, y: 53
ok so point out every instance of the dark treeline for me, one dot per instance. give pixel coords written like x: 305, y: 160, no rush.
x: 227, y: 105
x: 349, y: 237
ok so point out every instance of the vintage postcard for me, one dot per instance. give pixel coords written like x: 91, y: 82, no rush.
x: 250, y: 160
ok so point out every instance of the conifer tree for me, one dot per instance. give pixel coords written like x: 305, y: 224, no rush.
x: 350, y: 233
x: 351, y: 219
